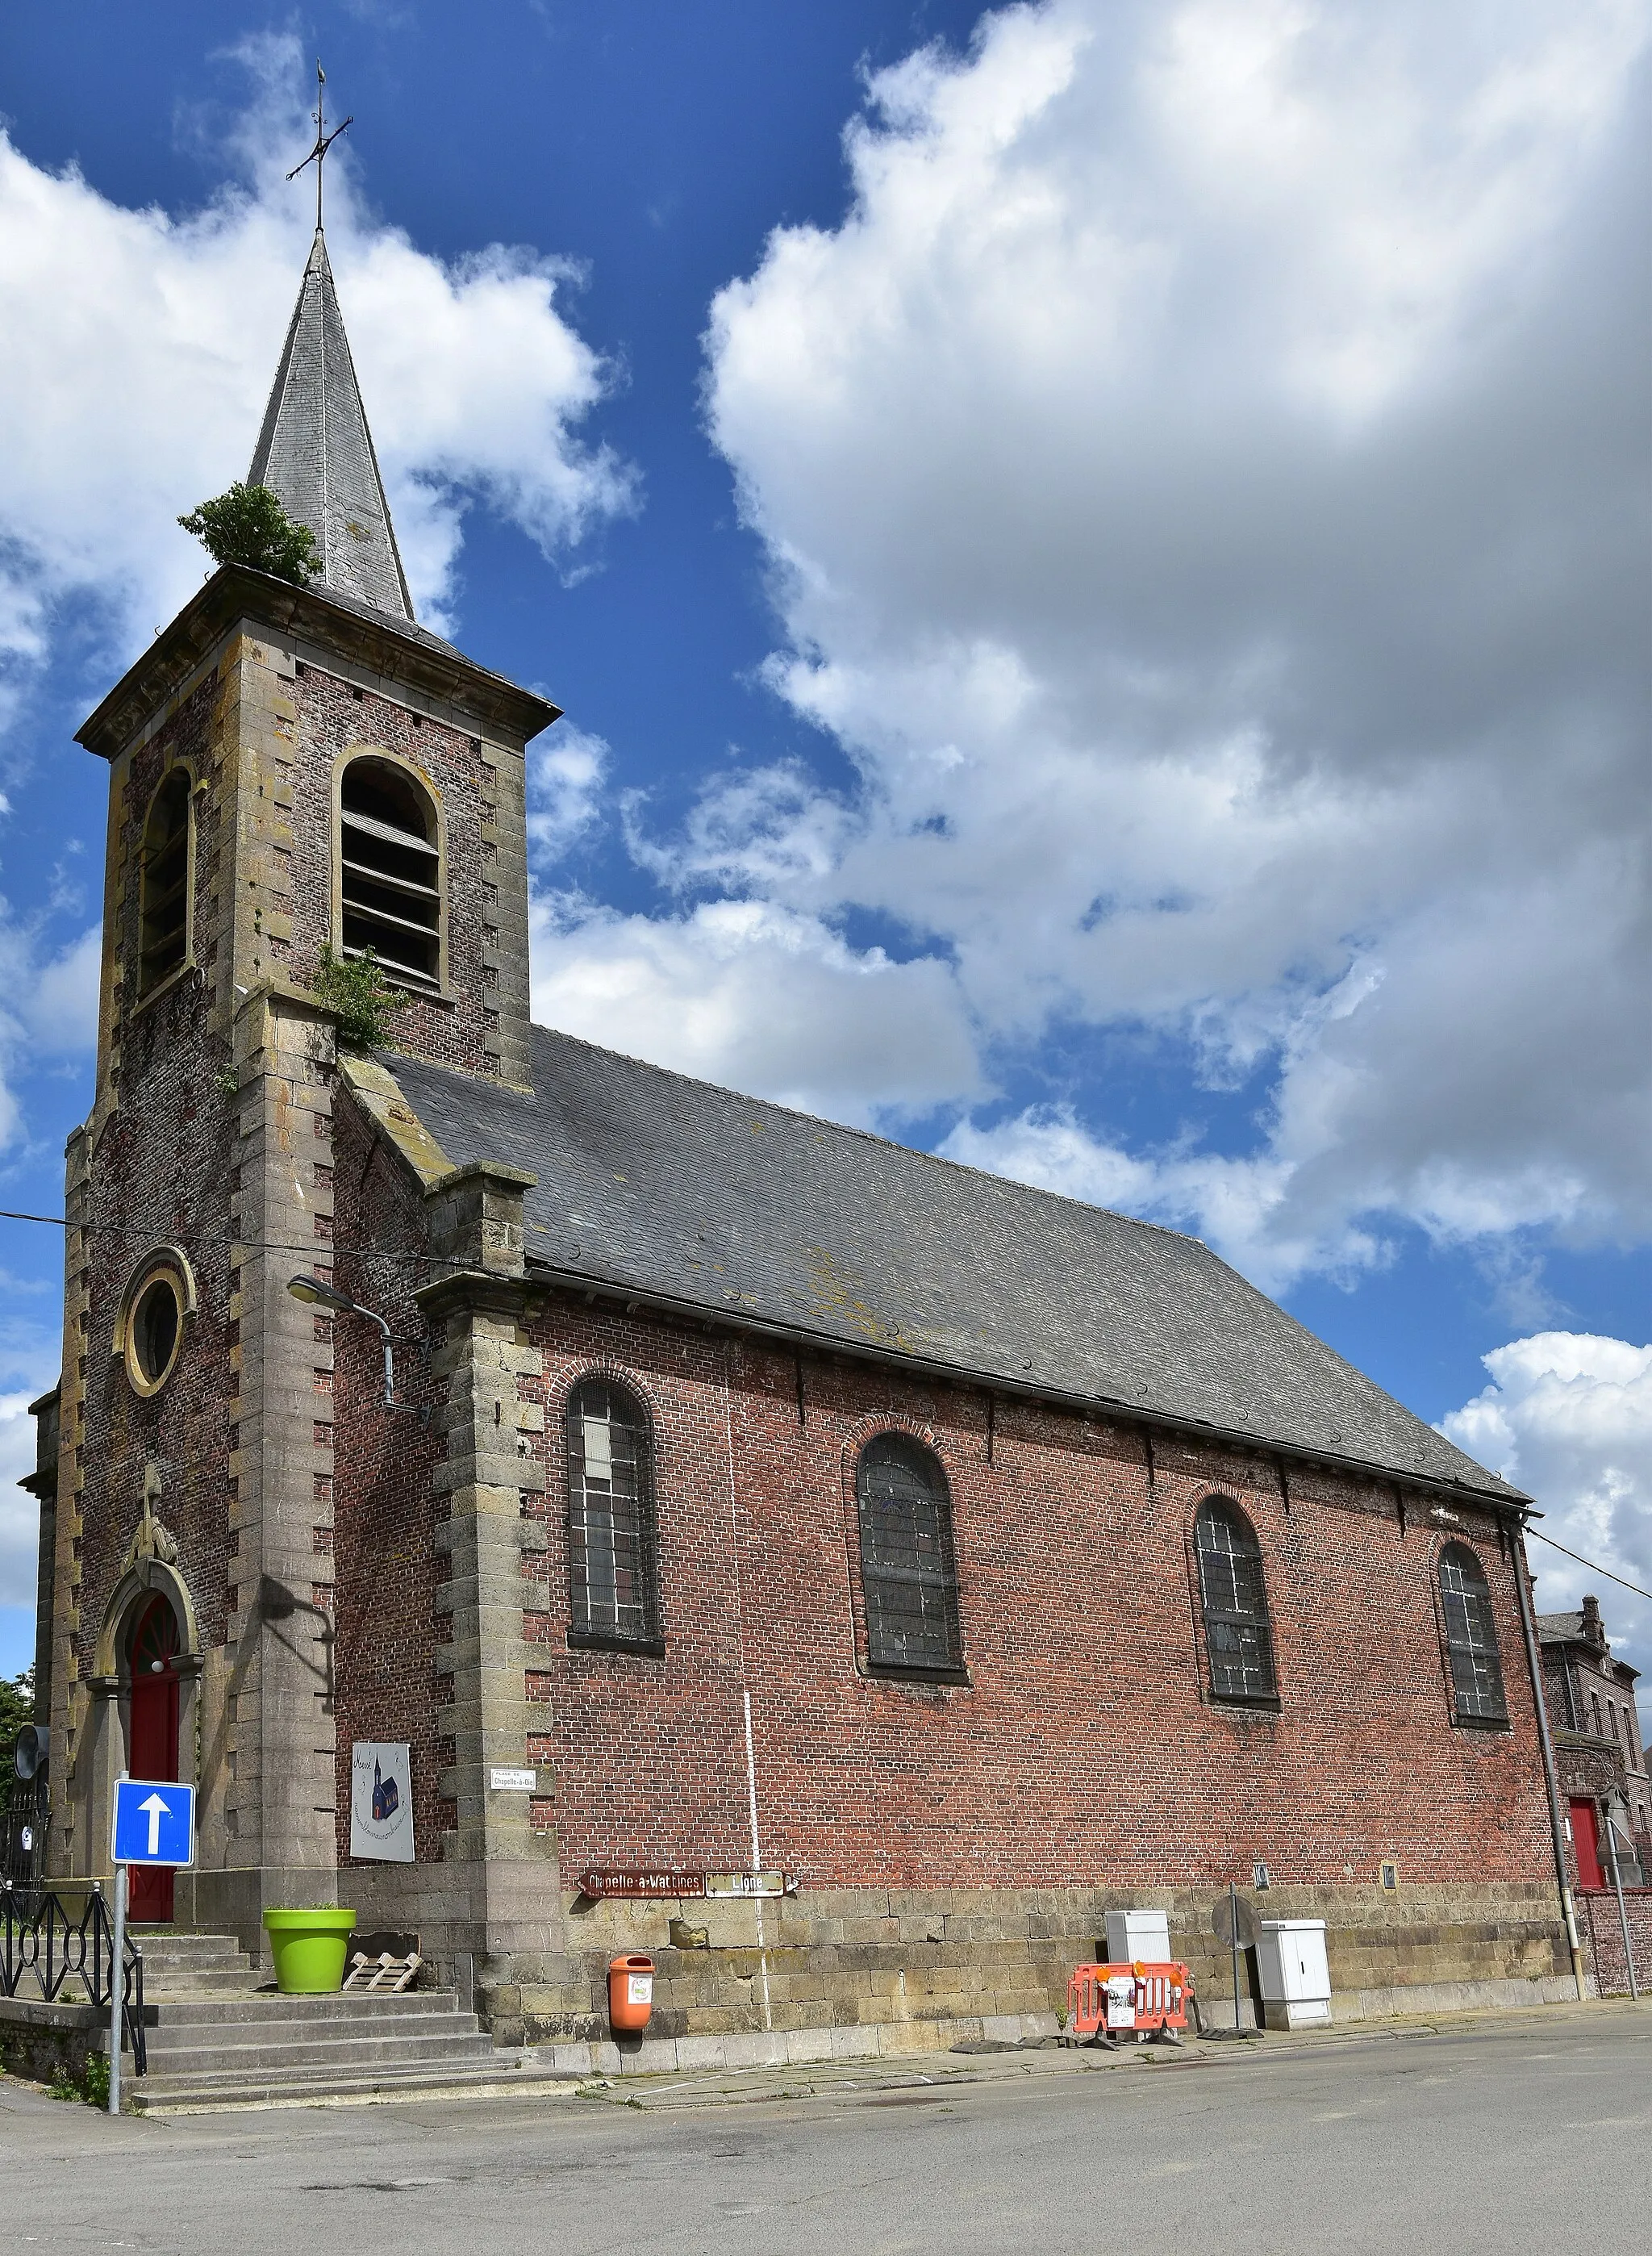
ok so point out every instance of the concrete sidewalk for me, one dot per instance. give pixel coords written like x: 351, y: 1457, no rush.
x: 1054, y: 2058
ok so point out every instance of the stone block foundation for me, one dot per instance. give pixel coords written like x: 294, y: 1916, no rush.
x: 876, y: 1971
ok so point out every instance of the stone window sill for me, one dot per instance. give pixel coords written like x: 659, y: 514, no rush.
x: 897, y: 1672
x: 593, y: 1640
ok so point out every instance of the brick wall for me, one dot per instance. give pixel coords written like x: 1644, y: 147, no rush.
x: 159, y: 1165
x: 1602, y: 1931
x: 385, y: 1562
x: 336, y: 717
x: 1085, y: 1746
x: 965, y: 1838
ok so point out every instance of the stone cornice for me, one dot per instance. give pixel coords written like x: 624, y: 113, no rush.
x: 372, y: 640
x: 477, y: 1289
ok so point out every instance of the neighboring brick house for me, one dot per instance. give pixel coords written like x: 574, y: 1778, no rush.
x: 788, y: 1499
x: 1600, y: 1755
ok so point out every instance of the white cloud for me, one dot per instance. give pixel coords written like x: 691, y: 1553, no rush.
x: 1569, y: 1417
x: 19, y: 1514
x: 49, y: 1005
x: 1205, y: 488
x: 55, y: 995
x: 756, y: 997
x: 138, y: 347
x: 565, y: 769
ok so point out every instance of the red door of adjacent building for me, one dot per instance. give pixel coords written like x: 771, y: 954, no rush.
x: 1586, y: 1843
x: 153, y: 1751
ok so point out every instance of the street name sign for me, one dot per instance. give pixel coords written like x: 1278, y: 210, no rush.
x: 154, y: 1823
x: 635, y: 1881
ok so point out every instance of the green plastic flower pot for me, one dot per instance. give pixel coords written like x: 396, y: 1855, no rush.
x: 308, y: 1947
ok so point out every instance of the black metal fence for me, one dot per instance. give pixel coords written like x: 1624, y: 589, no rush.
x: 44, y: 1947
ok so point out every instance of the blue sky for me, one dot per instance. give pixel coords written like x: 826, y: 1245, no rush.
x: 1096, y: 560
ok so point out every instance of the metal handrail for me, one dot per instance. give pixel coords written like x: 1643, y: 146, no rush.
x: 39, y: 1937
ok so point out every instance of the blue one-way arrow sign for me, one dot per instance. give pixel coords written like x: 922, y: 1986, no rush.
x: 154, y: 1822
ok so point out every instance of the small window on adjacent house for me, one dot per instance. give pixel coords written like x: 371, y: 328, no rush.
x: 1471, y: 1638
x: 389, y: 874
x: 909, y: 1576
x: 1233, y: 1596
x: 163, y: 920
x: 612, y: 1552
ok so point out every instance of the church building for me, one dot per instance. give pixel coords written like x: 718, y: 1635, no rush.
x: 705, y: 1529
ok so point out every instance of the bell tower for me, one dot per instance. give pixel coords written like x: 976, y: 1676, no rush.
x: 296, y: 773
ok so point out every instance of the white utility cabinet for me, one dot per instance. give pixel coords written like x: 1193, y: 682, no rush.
x: 1143, y: 1934
x: 1296, y: 1973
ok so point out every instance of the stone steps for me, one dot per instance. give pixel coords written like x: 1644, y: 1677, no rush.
x: 216, y: 2041
x: 302, y: 2050
x: 192, y: 1965
x: 264, y: 2009
x: 183, y: 2094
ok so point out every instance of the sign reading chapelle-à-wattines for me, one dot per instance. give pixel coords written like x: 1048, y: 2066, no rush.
x: 637, y: 1881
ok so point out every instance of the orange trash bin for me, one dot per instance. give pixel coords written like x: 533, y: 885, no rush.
x: 630, y: 1990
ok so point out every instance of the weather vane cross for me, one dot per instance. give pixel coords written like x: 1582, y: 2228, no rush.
x: 324, y: 140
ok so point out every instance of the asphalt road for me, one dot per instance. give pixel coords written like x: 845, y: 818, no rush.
x: 1489, y: 2139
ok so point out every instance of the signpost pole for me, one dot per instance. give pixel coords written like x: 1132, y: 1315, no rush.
x: 117, y: 1990
x: 1623, y: 1916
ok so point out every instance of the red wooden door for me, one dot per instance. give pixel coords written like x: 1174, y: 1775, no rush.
x: 1586, y: 1843
x: 153, y: 1751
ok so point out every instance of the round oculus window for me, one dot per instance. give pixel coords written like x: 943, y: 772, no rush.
x: 153, y: 1331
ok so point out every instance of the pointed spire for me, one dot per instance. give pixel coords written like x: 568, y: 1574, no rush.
x: 315, y: 451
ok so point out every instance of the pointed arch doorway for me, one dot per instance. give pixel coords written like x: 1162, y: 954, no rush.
x: 153, y: 1747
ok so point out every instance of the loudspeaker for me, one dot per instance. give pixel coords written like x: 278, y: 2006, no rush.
x: 34, y: 1743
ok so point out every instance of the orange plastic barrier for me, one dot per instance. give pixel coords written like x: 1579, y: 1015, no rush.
x: 1135, y: 2000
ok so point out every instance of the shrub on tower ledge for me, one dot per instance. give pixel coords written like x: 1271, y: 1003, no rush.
x: 360, y: 997
x: 247, y: 524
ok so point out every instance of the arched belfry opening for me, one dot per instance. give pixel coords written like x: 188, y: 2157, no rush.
x: 164, y: 942
x: 389, y: 873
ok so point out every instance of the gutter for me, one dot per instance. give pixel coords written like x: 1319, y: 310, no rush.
x: 1510, y: 1501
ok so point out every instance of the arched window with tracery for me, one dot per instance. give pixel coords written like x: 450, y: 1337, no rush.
x: 389, y: 874
x: 909, y: 1574
x: 1471, y: 1638
x: 164, y: 913
x: 1239, y: 1638
x: 613, y: 1549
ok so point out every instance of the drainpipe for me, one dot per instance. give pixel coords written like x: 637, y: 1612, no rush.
x: 1522, y: 1591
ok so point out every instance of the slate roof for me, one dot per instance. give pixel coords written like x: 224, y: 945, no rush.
x: 686, y: 1192
x: 1556, y: 1629
x: 315, y: 451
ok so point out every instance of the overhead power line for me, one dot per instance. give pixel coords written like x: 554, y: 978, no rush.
x: 317, y: 1249
x: 1590, y: 1564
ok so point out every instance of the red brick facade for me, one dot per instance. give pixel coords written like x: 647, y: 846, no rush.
x: 1084, y: 1750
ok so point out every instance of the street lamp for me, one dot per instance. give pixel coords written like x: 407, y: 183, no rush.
x: 318, y: 1294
